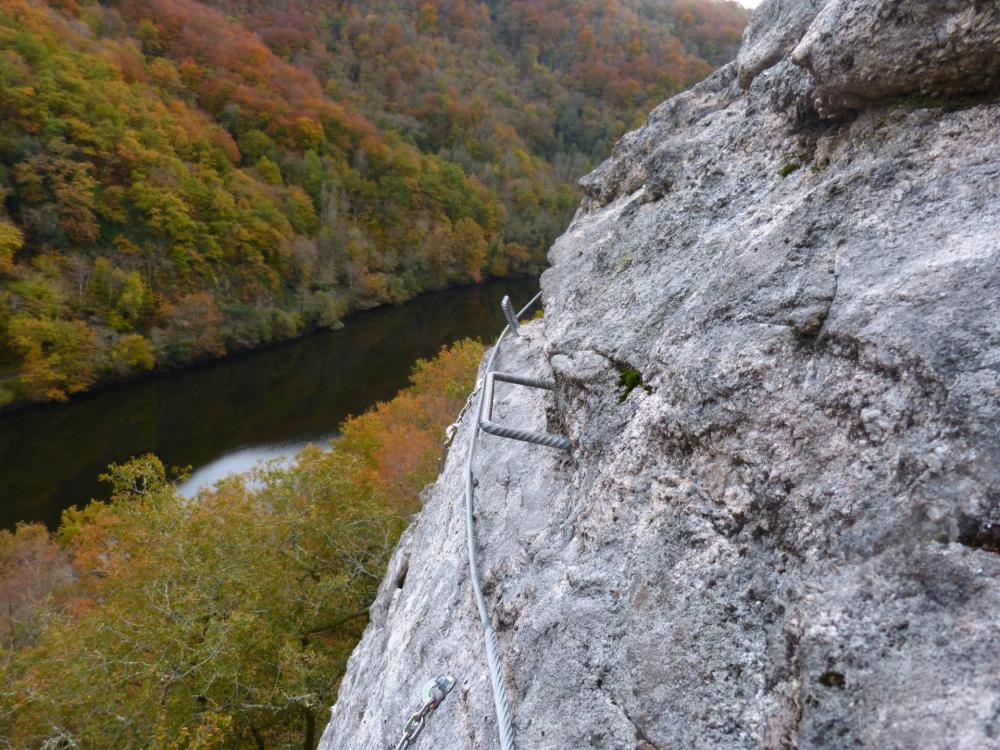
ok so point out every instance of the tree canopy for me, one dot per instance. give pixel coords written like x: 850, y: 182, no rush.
x: 179, y: 180
x: 153, y: 621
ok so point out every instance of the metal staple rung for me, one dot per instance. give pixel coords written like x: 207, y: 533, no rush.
x: 516, y: 433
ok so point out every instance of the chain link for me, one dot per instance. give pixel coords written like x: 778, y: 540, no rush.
x: 432, y: 695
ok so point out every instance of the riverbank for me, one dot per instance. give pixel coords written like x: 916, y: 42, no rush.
x: 295, y: 392
x: 166, y: 368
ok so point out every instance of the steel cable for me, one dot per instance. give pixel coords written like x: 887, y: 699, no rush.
x: 504, y: 721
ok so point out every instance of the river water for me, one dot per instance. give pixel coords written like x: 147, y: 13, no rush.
x: 226, y: 416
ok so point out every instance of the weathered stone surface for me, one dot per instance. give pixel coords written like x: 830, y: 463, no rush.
x: 424, y: 622
x: 862, y: 51
x: 776, y: 27
x: 789, y: 536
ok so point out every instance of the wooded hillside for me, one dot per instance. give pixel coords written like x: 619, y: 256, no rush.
x: 179, y: 181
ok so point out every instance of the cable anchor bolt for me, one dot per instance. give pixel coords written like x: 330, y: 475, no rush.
x: 432, y: 695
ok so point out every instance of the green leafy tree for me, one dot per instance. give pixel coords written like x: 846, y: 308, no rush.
x: 11, y: 240
x: 57, y: 356
x: 131, y: 353
x: 470, y: 248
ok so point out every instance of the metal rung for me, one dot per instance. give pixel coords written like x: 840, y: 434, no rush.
x: 515, y: 433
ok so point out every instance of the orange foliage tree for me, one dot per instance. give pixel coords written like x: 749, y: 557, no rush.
x: 151, y: 620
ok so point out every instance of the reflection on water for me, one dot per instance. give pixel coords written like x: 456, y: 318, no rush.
x: 232, y: 413
x: 241, y: 461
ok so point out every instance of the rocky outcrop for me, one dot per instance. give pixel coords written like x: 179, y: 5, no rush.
x: 774, y: 30
x: 861, y: 52
x: 788, y: 534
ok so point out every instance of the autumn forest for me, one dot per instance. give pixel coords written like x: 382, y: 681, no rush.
x: 180, y: 180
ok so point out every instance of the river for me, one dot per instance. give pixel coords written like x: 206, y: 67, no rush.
x: 227, y: 415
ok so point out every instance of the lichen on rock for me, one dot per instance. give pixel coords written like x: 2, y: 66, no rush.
x: 790, y: 539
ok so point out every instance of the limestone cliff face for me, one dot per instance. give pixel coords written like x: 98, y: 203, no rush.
x: 790, y: 537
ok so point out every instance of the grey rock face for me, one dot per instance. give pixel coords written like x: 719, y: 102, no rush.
x: 776, y: 27
x: 788, y: 536
x: 862, y: 52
